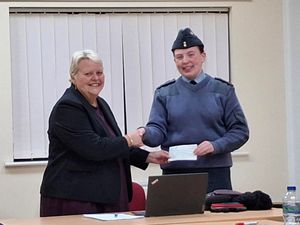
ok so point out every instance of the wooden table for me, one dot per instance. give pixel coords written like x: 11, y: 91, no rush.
x: 265, y: 217
x: 260, y: 222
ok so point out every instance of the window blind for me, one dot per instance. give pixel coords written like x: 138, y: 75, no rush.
x: 135, y: 49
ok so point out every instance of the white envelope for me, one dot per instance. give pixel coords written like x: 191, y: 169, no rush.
x: 182, y: 152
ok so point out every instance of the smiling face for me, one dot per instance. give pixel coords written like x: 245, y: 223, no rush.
x: 89, y: 79
x: 189, y: 61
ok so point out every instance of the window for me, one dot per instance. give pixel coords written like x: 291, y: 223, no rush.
x: 135, y: 49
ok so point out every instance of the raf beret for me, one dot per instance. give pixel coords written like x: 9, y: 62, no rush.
x: 186, y: 39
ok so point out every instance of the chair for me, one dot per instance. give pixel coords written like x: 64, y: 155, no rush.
x: 138, y: 201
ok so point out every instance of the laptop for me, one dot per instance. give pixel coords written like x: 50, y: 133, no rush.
x: 176, y: 194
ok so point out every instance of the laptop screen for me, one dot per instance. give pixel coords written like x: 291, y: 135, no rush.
x: 176, y: 194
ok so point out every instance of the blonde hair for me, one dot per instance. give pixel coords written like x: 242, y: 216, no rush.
x: 80, y: 55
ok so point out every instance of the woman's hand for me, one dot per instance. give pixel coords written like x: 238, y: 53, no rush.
x: 158, y: 157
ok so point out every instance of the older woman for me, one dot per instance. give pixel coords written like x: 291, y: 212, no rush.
x: 89, y: 160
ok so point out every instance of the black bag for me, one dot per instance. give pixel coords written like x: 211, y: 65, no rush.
x: 256, y: 200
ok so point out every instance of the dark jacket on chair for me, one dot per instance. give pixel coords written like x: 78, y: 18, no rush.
x: 83, y: 159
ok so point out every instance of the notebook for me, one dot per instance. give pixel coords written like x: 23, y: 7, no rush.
x: 176, y: 194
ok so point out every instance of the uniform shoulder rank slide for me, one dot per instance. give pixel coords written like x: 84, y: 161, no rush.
x: 167, y: 83
x: 224, y: 81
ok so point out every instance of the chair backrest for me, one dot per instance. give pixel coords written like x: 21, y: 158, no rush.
x: 138, y: 201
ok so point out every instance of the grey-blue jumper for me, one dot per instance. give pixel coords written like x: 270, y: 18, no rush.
x: 182, y: 113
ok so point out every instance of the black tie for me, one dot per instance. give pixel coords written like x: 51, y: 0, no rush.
x: 193, y: 82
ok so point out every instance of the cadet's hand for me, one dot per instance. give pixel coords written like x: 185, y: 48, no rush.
x: 141, y: 131
x: 158, y: 157
x: 204, y: 148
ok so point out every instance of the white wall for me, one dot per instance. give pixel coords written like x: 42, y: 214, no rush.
x: 256, y: 43
x: 257, y: 70
x: 292, y: 68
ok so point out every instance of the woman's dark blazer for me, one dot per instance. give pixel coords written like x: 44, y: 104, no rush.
x: 83, y: 159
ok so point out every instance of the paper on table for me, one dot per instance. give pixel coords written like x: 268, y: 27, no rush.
x: 112, y: 216
x: 182, y: 152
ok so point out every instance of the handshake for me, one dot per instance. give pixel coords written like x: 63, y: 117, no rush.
x: 134, y: 139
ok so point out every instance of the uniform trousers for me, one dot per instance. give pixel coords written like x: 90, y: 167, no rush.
x: 218, y: 178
